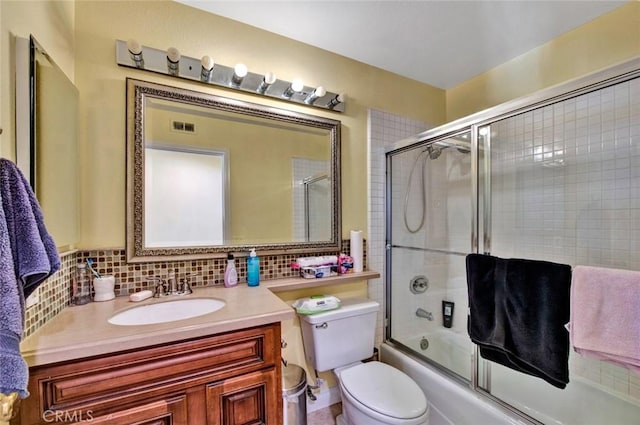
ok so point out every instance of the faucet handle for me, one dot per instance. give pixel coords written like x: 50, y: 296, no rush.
x: 185, y: 287
x: 160, y: 289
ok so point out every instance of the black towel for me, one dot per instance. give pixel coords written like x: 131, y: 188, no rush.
x: 517, y: 312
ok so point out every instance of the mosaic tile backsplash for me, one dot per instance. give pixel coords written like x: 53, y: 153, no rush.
x: 55, y: 292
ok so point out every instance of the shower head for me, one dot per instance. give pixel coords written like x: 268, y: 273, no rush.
x: 434, y: 152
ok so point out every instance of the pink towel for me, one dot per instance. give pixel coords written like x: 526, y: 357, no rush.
x: 605, y: 315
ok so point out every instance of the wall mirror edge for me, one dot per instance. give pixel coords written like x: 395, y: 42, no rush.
x: 137, y: 252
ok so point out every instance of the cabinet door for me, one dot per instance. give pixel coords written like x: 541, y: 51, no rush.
x: 248, y: 399
x: 168, y: 411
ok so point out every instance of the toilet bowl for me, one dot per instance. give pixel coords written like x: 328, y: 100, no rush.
x: 375, y: 393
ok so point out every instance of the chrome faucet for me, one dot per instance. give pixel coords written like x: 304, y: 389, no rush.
x: 160, y: 289
x: 185, y: 287
x: 420, y: 312
x: 171, y: 281
x: 171, y: 286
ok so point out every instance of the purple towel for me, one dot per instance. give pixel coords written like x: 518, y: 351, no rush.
x: 35, y: 256
x: 28, y: 255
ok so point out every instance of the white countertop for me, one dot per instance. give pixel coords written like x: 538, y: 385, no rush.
x: 84, y: 331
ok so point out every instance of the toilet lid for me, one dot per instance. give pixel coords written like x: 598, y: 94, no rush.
x: 384, y: 389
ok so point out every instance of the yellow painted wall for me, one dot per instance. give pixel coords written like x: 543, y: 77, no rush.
x: 162, y: 24
x: 52, y: 24
x: 81, y: 35
x: 603, y: 42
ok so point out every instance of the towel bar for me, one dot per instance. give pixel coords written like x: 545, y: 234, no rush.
x: 6, y: 407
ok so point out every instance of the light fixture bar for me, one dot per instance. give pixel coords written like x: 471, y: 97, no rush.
x: 267, y: 81
x: 296, y: 86
x: 336, y: 101
x: 135, y: 51
x: 133, y: 55
x: 207, y: 68
x: 239, y: 72
x: 315, y: 95
x: 173, y: 61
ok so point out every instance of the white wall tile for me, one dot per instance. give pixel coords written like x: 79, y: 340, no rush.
x: 582, y: 212
x: 384, y: 129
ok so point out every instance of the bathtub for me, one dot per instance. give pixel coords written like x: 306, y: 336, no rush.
x: 449, y: 349
x: 454, y: 403
x: 450, y: 402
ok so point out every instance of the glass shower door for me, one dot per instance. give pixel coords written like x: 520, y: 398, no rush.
x: 562, y: 187
x: 428, y: 236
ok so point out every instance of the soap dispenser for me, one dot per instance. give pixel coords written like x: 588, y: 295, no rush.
x: 230, y: 274
x: 253, y: 268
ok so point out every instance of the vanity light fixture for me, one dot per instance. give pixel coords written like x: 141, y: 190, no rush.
x: 207, y: 68
x: 204, y: 70
x: 173, y: 61
x: 239, y: 72
x: 295, y: 87
x: 315, y: 95
x: 135, y: 51
x: 336, y: 101
x: 268, y: 79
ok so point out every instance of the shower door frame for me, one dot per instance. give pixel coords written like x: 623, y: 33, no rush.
x: 425, y: 143
x: 481, y: 180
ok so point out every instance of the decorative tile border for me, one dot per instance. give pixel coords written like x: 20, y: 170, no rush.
x: 55, y: 292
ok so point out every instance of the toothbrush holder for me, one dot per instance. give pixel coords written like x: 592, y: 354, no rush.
x: 103, y: 288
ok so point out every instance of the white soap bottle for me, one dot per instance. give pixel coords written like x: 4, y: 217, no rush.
x: 230, y: 274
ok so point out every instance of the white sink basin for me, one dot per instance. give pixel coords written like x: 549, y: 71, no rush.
x: 167, y: 311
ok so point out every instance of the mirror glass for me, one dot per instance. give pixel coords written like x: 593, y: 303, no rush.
x: 46, y: 139
x: 208, y: 175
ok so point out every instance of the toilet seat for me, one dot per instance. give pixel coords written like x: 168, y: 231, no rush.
x: 384, y: 390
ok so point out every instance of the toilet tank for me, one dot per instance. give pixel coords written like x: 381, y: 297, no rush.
x: 342, y: 336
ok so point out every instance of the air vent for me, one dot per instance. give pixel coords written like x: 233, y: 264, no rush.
x: 183, y: 127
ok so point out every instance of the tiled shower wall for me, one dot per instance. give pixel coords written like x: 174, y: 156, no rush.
x: 566, y: 188
x: 55, y: 293
x: 384, y: 129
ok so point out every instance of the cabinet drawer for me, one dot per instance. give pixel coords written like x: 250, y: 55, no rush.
x: 167, y: 411
x: 122, y: 378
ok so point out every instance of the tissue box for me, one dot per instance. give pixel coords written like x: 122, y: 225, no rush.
x: 318, y: 272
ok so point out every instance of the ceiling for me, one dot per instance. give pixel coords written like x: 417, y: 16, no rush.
x: 441, y: 43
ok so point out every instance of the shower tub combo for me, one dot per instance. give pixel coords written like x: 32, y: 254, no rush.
x: 453, y: 402
x: 557, y: 181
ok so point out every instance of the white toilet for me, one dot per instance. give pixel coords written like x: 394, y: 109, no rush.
x: 373, y: 393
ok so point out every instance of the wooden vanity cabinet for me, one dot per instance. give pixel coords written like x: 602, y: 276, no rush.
x: 225, y: 379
